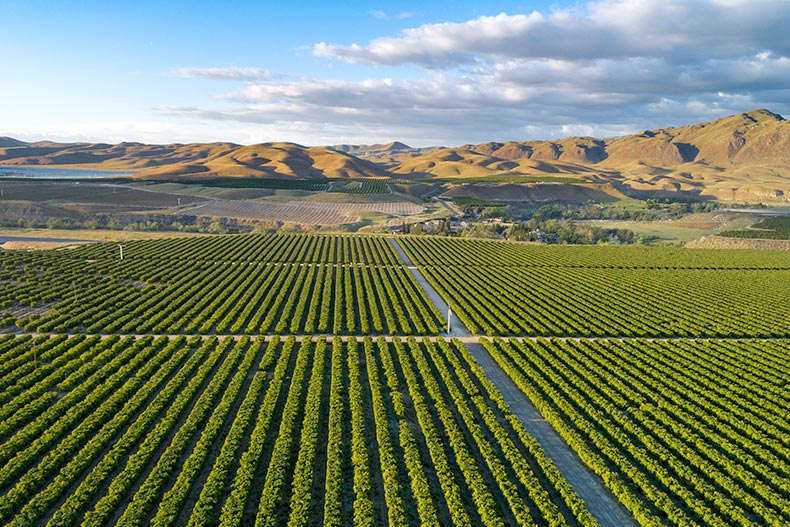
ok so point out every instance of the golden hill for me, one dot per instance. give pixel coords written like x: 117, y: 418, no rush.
x: 741, y: 157
x: 274, y: 160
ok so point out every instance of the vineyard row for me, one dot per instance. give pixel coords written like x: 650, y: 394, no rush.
x: 281, y: 247
x: 215, y: 298
x: 453, y: 252
x: 240, y: 432
x: 683, y: 432
x: 624, y: 302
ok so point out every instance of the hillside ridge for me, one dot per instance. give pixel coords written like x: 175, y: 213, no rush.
x: 737, y: 157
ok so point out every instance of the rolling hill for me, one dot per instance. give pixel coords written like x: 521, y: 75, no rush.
x: 273, y: 160
x: 741, y: 157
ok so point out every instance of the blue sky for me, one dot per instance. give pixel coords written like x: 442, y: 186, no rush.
x: 362, y: 72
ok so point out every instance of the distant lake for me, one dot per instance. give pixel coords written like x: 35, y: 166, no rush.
x: 767, y: 212
x: 59, y: 173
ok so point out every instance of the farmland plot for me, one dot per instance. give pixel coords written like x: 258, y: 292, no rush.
x: 303, y: 212
x: 683, y: 432
x: 124, y: 431
x: 240, y: 285
x: 154, y: 389
x: 509, y: 289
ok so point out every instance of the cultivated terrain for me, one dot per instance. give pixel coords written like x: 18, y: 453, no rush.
x: 741, y: 157
x: 293, y: 379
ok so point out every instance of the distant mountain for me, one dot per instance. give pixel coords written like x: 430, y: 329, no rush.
x: 395, y: 146
x: 740, y: 157
x: 758, y: 137
x: 274, y: 160
x: 389, y: 155
x: 9, y: 142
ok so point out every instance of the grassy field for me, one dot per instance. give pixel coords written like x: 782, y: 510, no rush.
x: 684, y: 230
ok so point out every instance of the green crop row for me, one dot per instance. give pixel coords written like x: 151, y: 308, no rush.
x: 628, y: 302
x: 221, y: 431
x: 179, y: 296
x: 692, y: 432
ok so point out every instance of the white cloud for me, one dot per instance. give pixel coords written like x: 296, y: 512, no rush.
x: 605, y: 68
x: 606, y: 29
x: 234, y: 73
x: 383, y: 15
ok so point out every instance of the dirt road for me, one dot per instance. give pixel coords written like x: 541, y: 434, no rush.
x: 599, y: 500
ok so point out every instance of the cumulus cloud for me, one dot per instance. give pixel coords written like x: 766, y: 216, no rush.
x: 450, y: 110
x: 678, y: 29
x: 233, y: 73
x: 605, y: 68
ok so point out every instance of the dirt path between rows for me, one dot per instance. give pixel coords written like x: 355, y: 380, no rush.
x: 457, y: 329
x: 599, y: 500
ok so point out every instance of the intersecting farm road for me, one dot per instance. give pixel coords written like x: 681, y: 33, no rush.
x: 599, y: 500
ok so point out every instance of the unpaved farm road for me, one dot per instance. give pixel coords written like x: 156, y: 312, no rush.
x: 457, y: 329
x: 599, y: 500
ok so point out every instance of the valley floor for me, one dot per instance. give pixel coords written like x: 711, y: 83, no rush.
x: 278, y: 380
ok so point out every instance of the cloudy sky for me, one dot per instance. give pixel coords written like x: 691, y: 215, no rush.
x: 430, y: 73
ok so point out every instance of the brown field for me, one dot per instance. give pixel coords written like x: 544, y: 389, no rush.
x: 28, y: 246
x: 721, y: 242
x: 25, y: 199
x: 539, y: 192
x: 94, y: 234
x: 303, y: 212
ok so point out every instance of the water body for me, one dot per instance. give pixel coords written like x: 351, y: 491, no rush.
x: 4, y: 239
x: 767, y: 212
x: 59, y: 173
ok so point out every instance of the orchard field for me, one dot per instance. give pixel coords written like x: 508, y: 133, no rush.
x: 690, y: 432
x: 516, y: 289
x: 291, y: 379
x: 245, y: 431
x: 235, y: 285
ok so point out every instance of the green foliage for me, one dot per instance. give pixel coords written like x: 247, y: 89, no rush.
x: 311, y: 185
x: 771, y: 228
x: 564, y: 231
x: 251, y: 284
x: 229, y: 429
x: 247, y: 428
x: 360, y: 186
x: 466, y: 202
x: 517, y: 289
x: 685, y: 431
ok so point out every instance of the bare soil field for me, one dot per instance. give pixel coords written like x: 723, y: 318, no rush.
x: 311, y: 213
x: 25, y: 245
x: 721, y: 242
x: 93, y: 234
x: 539, y: 192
